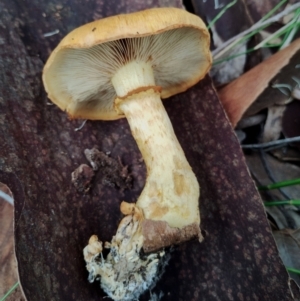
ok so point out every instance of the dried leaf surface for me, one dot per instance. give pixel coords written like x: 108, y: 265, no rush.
x: 8, y: 271
x: 289, y: 75
x: 240, y: 94
x: 264, y: 166
x: 53, y: 222
x: 288, y: 242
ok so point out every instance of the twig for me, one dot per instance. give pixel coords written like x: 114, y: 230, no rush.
x: 281, y: 142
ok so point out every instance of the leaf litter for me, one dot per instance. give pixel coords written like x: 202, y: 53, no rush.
x: 271, y: 89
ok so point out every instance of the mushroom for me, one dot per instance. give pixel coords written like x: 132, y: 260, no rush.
x: 122, y: 66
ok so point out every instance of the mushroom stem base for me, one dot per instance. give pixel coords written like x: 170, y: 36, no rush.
x: 158, y: 235
x: 124, y: 274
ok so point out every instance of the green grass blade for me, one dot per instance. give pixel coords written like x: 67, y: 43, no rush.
x: 249, y: 35
x: 260, y: 25
x: 283, y: 30
x: 280, y: 184
x: 289, y: 30
x: 280, y: 203
x: 10, y: 291
x: 295, y: 271
x: 272, y: 11
x: 220, y: 14
x: 289, y: 36
x: 232, y: 57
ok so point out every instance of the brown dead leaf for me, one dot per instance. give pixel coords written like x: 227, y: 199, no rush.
x: 240, y: 94
x: 8, y: 271
x: 281, y: 88
x: 16, y: 295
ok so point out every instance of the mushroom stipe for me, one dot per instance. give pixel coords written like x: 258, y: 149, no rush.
x: 118, y: 72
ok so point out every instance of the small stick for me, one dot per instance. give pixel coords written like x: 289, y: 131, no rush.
x: 51, y: 33
x: 271, y: 143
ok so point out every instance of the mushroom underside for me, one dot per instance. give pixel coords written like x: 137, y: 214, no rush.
x: 79, y: 79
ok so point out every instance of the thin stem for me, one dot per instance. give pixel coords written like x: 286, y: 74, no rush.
x: 276, y: 34
x: 10, y: 291
x: 232, y: 57
x: 289, y: 30
x: 292, y: 270
x: 280, y: 203
x: 221, y: 13
x: 280, y: 184
x: 271, y: 143
x: 292, y: 31
x: 272, y: 11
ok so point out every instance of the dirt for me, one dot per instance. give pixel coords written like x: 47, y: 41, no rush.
x: 82, y: 178
x: 113, y: 172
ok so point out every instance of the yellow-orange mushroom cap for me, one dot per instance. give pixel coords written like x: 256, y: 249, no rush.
x: 78, y: 74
